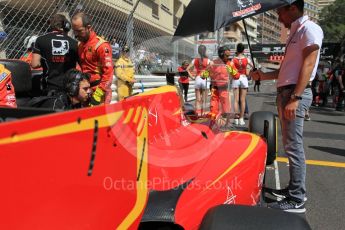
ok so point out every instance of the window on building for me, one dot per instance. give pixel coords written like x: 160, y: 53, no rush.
x: 166, y: 5
x: 155, y: 9
x: 129, y: 1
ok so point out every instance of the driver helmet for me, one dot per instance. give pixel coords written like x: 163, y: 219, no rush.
x: 29, y: 41
x: 3, y: 35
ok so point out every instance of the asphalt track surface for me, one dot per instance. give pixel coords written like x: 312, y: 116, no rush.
x: 324, y: 143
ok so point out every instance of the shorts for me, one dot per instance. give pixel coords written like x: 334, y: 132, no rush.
x: 241, y: 83
x: 200, y: 83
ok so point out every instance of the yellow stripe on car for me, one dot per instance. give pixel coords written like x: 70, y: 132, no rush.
x: 72, y: 127
x: 142, y: 173
x: 253, y: 143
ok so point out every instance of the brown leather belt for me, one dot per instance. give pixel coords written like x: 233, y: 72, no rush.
x: 292, y: 86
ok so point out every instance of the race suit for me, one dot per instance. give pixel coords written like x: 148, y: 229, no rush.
x: 124, y: 71
x: 7, y: 95
x: 27, y: 57
x: 95, y: 57
x: 220, y: 74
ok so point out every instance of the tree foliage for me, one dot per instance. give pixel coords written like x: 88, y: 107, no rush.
x: 332, y: 21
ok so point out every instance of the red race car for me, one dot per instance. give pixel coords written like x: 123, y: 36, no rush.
x: 135, y: 164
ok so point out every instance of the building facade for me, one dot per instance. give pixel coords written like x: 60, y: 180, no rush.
x: 323, y: 3
x: 311, y: 9
x: 124, y: 20
x: 269, y: 28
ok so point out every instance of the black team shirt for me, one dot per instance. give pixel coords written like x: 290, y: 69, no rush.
x: 59, y: 53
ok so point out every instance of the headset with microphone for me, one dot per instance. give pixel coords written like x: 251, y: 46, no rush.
x: 66, y: 26
x: 60, y: 22
x: 72, y: 81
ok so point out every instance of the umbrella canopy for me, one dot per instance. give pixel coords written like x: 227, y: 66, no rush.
x: 211, y: 15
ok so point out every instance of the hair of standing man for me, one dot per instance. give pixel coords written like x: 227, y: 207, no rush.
x: 57, y: 22
x: 299, y: 4
x: 86, y: 20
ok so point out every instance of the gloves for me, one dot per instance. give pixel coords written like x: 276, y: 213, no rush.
x: 205, y: 74
x: 97, y: 97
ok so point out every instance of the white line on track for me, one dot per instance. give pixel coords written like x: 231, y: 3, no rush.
x: 276, y: 173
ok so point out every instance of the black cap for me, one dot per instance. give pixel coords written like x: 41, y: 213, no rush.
x: 125, y: 49
x: 221, y: 51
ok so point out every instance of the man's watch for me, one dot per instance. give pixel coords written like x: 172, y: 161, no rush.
x: 295, y: 97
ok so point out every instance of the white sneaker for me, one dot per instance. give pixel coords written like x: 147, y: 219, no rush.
x: 236, y: 121
x: 241, y: 122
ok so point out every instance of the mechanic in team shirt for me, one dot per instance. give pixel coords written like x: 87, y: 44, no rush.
x: 56, y: 52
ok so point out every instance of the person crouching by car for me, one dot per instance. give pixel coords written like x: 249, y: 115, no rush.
x: 220, y: 72
x: 7, y: 94
x: 183, y: 81
x: 76, y: 93
x: 124, y: 71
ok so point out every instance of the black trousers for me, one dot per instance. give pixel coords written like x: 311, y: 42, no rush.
x: 184, y: 88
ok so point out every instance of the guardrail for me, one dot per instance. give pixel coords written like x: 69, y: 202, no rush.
x: 148, y: 82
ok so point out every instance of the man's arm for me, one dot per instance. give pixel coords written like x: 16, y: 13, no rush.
x: 36, y: 61
x: 310, y: 54
x: 105, y: 56
x: 259, y: 75
x: 36, y: 54
x: 309, y: 59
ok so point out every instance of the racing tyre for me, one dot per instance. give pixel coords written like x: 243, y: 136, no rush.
x: 265, y: 124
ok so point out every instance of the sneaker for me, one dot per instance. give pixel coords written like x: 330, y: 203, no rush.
x: 283, y: 193
x: 307, y: 117
x: 236, y: 121
x: 241, y: 122
x: 288, y: 205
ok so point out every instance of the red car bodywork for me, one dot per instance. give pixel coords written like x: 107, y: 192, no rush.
x: 94, y: 168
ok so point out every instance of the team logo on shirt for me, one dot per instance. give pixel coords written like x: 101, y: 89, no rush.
x: 60, y: 47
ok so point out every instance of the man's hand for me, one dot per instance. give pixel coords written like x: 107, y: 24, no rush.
x: 290, y: 110
x: 97, y: 97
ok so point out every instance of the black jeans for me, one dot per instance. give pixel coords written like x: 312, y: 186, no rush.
x: 184, y: 88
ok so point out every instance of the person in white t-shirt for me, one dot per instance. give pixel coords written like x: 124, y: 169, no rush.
x: 294, y: 97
